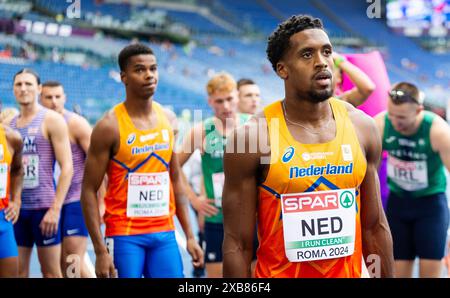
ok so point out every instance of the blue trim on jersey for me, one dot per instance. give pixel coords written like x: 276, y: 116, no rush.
x: 121, y: 164
x: 322, y: 180
x: 277, y: 195
x: 161, y: 160
x: 153, y: 154
x: 148, y: 158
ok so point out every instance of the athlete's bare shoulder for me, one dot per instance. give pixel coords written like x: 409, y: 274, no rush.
x: 54, y: 125
x: 106, y: 129
x: 254, y: 134
x: 365, y: 127
x: 77, y: 121
x: 357, y: 116
x: 51, y: 116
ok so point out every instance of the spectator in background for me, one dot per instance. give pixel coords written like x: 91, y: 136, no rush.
x: 6, y: 52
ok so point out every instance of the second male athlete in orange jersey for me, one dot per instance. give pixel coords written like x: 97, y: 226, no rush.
x: 133, y: 145
x: 315, y: 190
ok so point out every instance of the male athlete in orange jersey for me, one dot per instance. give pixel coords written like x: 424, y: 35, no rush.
x: 315, y: 190
x: 133, y: 145
x: 11, y: 179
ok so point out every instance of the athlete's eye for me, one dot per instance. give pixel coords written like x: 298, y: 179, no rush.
x: 328, y: 52
x: 307, y: 55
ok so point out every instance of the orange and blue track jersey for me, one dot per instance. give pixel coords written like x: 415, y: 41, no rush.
x: 140, y: 198
x: 308, y: 205
x: 5, y: 166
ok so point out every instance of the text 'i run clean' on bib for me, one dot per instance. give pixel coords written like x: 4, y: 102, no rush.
x: 148, y: 194
x: 319, y: 225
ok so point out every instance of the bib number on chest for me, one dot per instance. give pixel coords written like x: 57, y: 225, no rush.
x: 319, y: 225
x: 218, y: 181
x: 31, y: 169
x: 409, y: 175
x: 3, y: 179
x: 148, y: 194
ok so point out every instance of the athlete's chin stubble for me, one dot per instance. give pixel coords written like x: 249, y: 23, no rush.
x: 320, y: 96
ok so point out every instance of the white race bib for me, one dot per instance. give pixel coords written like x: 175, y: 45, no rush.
x: 148, y: 194
x: 319, y: 225
x: 3, y: 179
x: 218, y: 180
x: 31, y: 169
x: 409, y: 175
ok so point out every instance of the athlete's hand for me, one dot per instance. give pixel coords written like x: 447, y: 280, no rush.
x: 49, y: 224
x: 12, y: 211
x: 104, y: 266
x: 205, y: 206
x: 196, y: 253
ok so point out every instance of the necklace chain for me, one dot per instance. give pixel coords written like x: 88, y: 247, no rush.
x: 301, y: 125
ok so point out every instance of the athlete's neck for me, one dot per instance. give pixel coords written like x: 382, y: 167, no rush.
x: 29, y: 110
x: 139, y: 107
x: 227, y: 124
x: 414, y: 128
x: 304, y: 111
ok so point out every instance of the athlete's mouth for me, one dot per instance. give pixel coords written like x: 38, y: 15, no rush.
x: 151, y: 84
x: 323, y: 78
x: 323, y: 75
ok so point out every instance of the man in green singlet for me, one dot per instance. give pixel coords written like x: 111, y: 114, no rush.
x: 209, y: 137
x: 418, y: 143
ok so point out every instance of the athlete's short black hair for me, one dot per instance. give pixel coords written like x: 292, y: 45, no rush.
x: 30, y: 71
x: 278, y: 42
x: 51, y: 84
x: 244, y: 82
x: 132, y: 50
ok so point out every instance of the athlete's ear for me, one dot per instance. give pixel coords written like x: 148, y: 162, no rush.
x: 419, y: 109
x: 123, y: 77
x: 282, y: 70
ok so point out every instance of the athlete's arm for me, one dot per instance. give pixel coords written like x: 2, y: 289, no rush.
x: 364, y: 86
x: 440, y: 139
x: 81, y: 132
x: 56, y: 130
x: 183, y: 213
x: 239, y: 202
x: 192, y: 142
x: 379, y: 121
x: 376, y: 236
x: 104, y: 139
x: 16, y: 175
